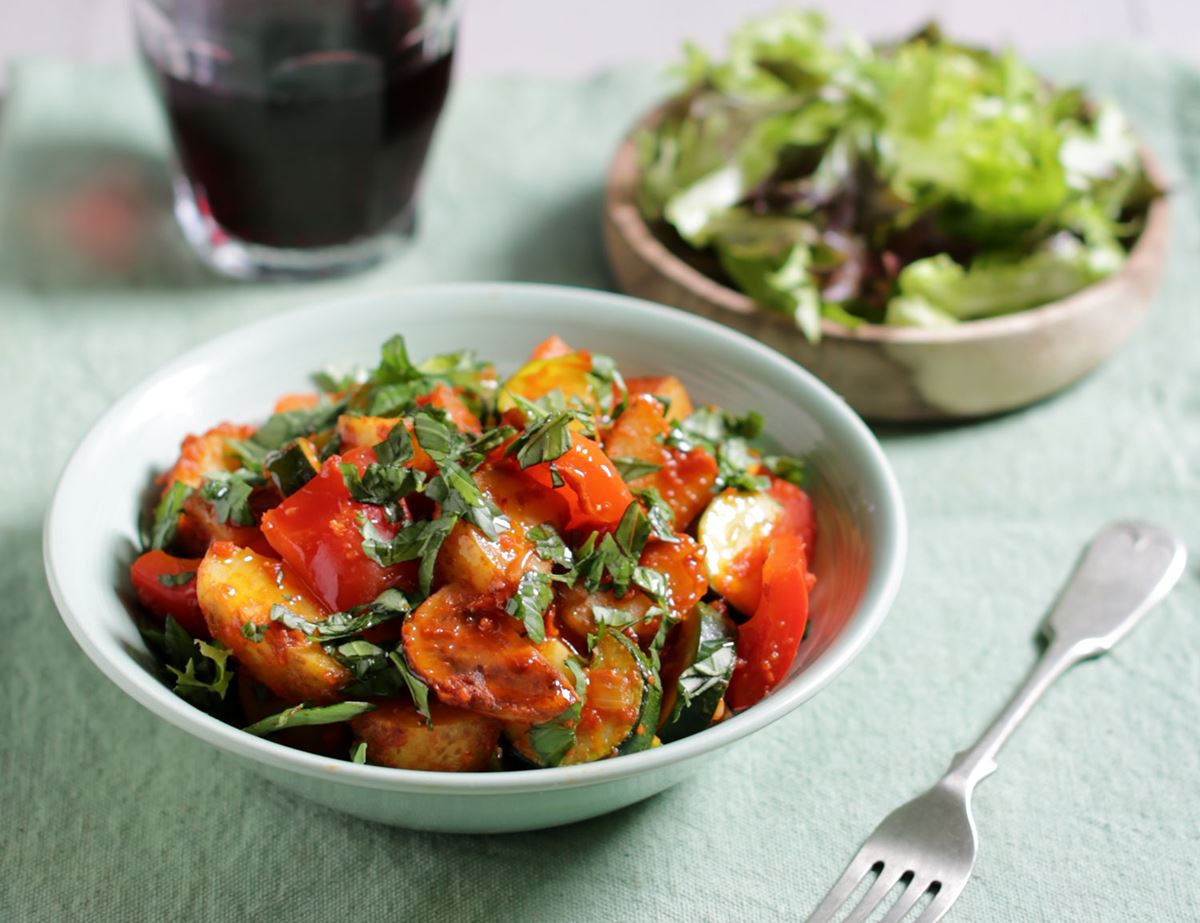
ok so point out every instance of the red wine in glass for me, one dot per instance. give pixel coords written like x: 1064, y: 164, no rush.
x: 300, y: 126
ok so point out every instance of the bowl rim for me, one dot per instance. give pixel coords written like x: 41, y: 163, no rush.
x: 622, y: 212
x: 889, y: 537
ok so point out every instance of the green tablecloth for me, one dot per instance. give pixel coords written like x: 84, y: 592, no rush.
x: 109, y: 814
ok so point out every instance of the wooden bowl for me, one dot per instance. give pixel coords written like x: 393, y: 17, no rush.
x: 906, y: 374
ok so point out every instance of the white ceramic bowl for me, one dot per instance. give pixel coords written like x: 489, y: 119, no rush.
x: 90, y: 535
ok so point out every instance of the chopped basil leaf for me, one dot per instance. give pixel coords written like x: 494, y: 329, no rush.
x: 491, y: 439
x: 178, y: 579
x: 420, y: 539
x: 252, y: 631
x: 724, y: 435
x: 166, y: 516
x: 787, y: 468
x: 358, y: 753
x: 417, y: 689
x: 544, y: 440
x: 370, y: 666
x: 200, y: 681
x: 529, y: 603
x: 440, y: 439
x: 631, y: 469
x: 607, y: 386
x: 398, y: 373
x: 613, y: 556
x: 735, y: 461
x: 289, y: 468
x: 332, y: 382
x: 614, y: 617
x: 549, y: 545
x: 397, y: 448
x: 229, y: 495
x: 553, y: 739
x: 177, y: 644
x: 305, y: 715
x: 653, y: 582
x: 632, y: 531
x: 390, y: 604
x: 659, y: 514
x: 282, y: 428
x: 381, y: 485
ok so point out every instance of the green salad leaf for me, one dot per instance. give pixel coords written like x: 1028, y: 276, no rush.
x: 917, y: 183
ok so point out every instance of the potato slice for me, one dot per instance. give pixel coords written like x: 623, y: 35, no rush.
x: 684, y: 479
x: 205, y: 454
x: 397, y: 736
x: 667, y: 387
x: 496, y: 565
x: 735, y: 531
x: 472, y: 654
x: 356, y: 432
x: 236, y: 587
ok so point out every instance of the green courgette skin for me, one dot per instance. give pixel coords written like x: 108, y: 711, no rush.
x: 614, y: 644
x: 701, y: 686
x: 643, y: 733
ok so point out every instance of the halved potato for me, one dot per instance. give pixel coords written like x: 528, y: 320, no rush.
x: 397, y: 736
x: 667, y: 387
x: 567, y: 373
x: 483, y: 564
x: 496, y: 565
x: 735, y: 531
x: 472, y: 654
x: 684, y: 479
x: 356, y: 432
x: 235, y: 587
x: 205, y: 454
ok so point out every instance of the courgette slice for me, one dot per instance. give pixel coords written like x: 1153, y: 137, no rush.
x: 701, y: 686
x: 735, y: 531
x: 621, y: 700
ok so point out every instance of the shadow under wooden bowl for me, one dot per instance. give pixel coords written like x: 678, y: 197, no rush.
x: 902, y: 374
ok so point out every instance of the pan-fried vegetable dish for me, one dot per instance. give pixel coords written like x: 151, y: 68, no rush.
x: 921, y: 183
x: 425, y: 567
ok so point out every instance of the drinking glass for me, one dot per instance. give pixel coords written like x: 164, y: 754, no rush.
x: 300, y: 126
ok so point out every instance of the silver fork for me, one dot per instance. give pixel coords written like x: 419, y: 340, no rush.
x: 929, y: 844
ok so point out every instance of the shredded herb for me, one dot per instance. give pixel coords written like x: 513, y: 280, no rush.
x: 553, y: 739
x: 417, y: 689
x: 166, y: 516
x: 418, y: 540
x: 281, y: 429
x: 203, y: 680
x: 659, y: 514
x: 229, y: 495
x: 631, y: 469
x: 550, y: 545
x: 547, y: 436
x: 390, y: 604
x: 305, y: 715
x: 529, y: 603
x: 786, y: 468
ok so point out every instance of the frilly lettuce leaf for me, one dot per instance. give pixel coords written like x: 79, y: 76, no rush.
x: 920, y: 183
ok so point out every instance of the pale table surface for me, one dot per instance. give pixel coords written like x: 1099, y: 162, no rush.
x: 574, y: 37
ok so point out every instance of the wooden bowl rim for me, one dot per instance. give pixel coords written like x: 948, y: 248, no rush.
x: 621, y: 206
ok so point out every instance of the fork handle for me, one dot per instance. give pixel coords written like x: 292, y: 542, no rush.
x: 1127, y: 568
